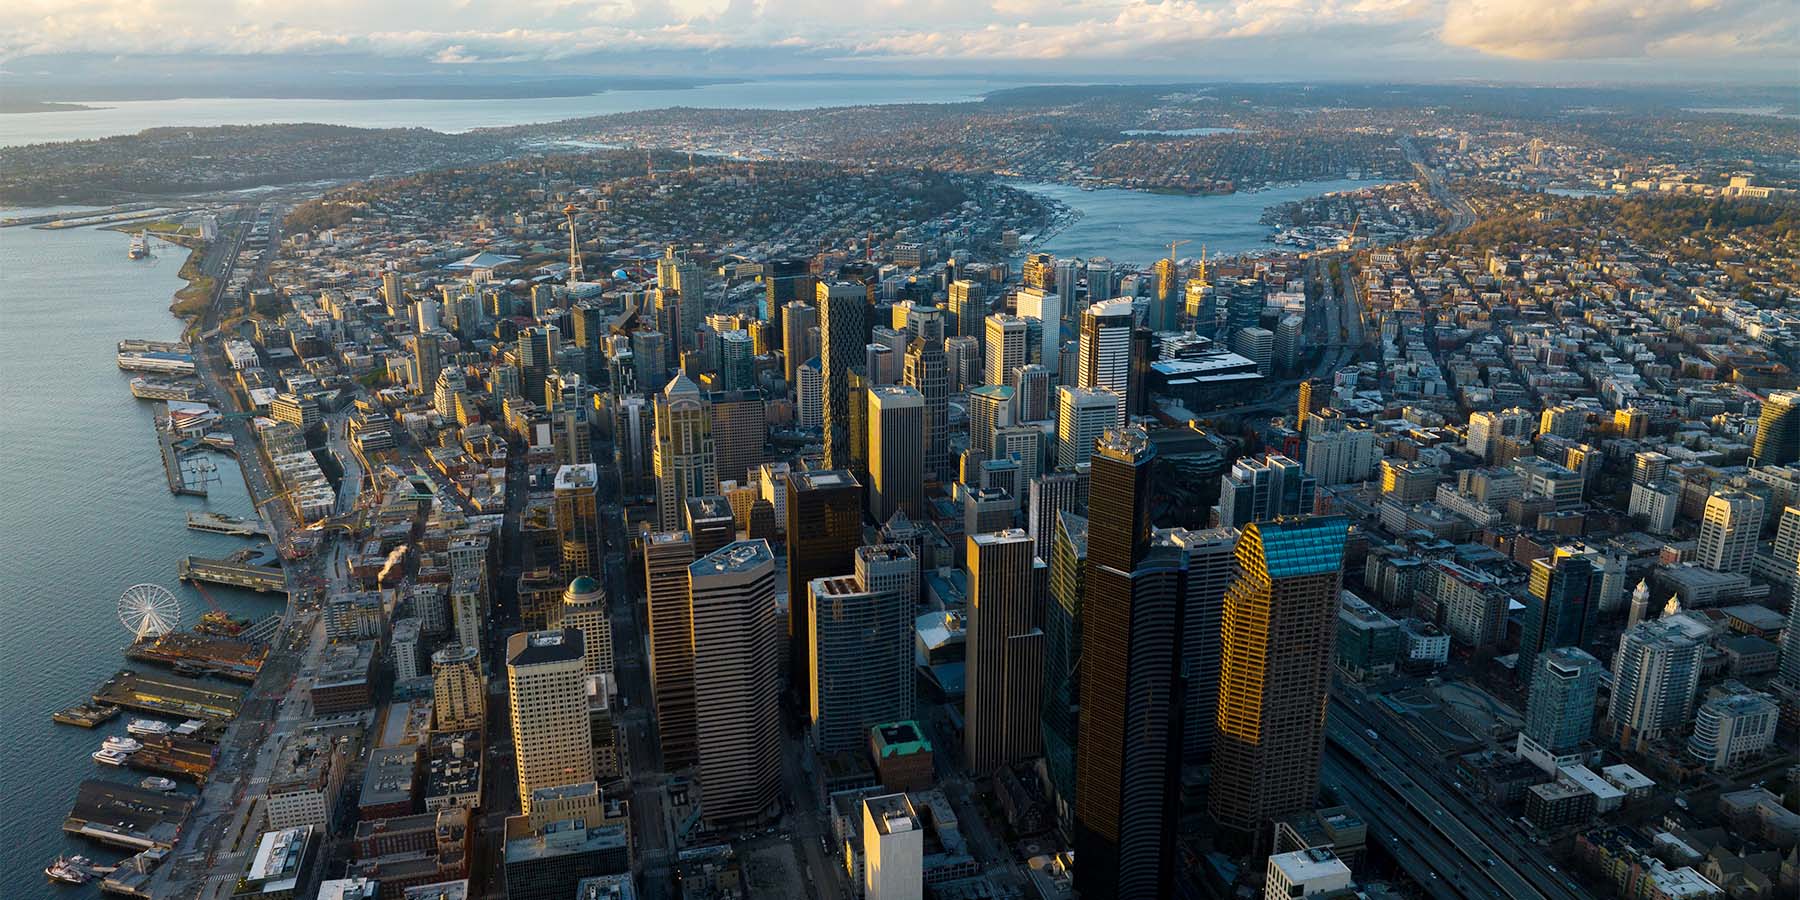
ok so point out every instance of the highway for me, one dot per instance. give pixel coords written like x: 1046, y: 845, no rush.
x: 1462, y: 215
x: 1416, y: 780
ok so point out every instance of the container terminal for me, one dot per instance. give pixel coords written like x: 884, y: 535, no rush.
x: 126, y: 816
x: 167, y: 695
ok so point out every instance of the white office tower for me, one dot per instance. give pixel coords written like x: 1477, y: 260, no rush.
x: 1733, y: 729
x: 1655, y: 673
x: 1306, y: 873
x: 552, y: 739
x: 1487, y: 428
x: 893, y: 849
x: 896, y: 452
x: 1047, y: 309
x: 1105, y: 349
x: 862, y: 665
x: 1005, y: 347
x: 736, y: 670
x: 1339, y: 451
x: 1050, y: 496
x: 1083, y: 415
x: 1728, y: 531
x: 583, y: 607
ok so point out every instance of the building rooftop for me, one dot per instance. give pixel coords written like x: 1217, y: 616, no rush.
x: 391, y: 776
x: 442, y: 890
x: 816, y: 479
x: 1309, y: 865
x: 892, y: 814
x: 738, y: 556
x: 606, y: 887
x: 585, y: 475
x: 536, y: 648
x: 278, y: 859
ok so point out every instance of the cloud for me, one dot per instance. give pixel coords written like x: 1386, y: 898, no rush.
x: 971, y: 34
x: 1621, y: 29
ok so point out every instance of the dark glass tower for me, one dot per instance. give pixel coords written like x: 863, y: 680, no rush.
x: 824, y: 528
x: 1129, y: 727
x: 1560, y: 607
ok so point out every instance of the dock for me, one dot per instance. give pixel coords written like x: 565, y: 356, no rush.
x: 171, y: 460
x: 268, y: 579
x: 176, y: 756
x: 227, y: 657
x: 219, y: 523
x: 85, y: 715
x: 126, y: 816
x: 167, y: 695
x: 131, y: 878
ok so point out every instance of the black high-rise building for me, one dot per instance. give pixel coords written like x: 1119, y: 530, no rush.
x: 824, y: 528
x: 784, y: 281
x: 1130, y: 686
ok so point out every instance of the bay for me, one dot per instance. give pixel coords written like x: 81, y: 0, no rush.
x: 87, y: 513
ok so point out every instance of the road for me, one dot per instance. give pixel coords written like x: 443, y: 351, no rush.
x: 1419, y: 781
x: 1462, y: 215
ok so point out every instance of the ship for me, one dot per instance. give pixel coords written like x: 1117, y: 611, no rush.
x: 109, y: 756
x: 122, y: 744
x: 69, y: 870
x: 140, y: 246
x: 157, y: 783
x: 145, y: 388
x: 147, y: 727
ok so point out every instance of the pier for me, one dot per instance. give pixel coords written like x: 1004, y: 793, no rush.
x: 167, y: 695
x: 175, y: 756
x: 125, y: 816
x: 219, y: 523
x: 227, y: 657
x: 268, y: 579
x: 172, y: 470
x: 85, y: 715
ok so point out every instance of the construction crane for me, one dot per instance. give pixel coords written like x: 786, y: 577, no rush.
x: 1200, y: 273
x: 1349, y: 241
x: 1173, y: 246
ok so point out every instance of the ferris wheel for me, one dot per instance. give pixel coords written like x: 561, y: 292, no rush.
x: 149, y: 610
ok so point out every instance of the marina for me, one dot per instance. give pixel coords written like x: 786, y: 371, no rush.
x: 167, y: 695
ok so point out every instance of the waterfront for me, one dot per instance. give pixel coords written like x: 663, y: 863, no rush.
x: 111, y: 117
x: 87, y: 515
x: 1137, y: 226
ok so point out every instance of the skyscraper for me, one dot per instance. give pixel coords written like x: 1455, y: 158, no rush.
x: 1276, y: 641
x: 1257, y: 490
x: 1210, y: 555
x: 968, y: 310
x: 1005, y: 652
x: 785, y: 281
x: 897, y: 430
x: 667, y: 555
x: 736, y: 673
x: 1729, y: 530
x: 537, y: 349
x: 1083, y: 415
x: 1049, y: 496
x: 926, y: 373
x: 1655, y: 673
x: 578, y: 519
x: 740, y: 427
x: 893, y: 849
x: 862, y: 662
x: 1561, y: 603
x: 686, y: 461
x: 1787, y: 556
x: 1778, y: 430
x: 799, y: 321
x: 583, y: 608
x: 1005, y: 348
x: 458, y: 698
x: 1245, y: 306
x: 1339, y: 451
x: 824, y: 528
x: 1165, y: 297
x: 1559, y: 715
x: 1062, y: 648
x: 552, y: 744
x: 1129, y: 732
x: 1105, y: 348
x: 990, y: 409
x: 709, y: 522
x: 843, y: 331
x: 1047, y: 309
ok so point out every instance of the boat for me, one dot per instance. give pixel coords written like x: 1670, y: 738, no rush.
x: 69, y: 870
x: 220, y: 623
x: 110, y: 756
x: 157, y: 783
x: 140, y: 246
x: 122, y: 744
x: 147, y: 728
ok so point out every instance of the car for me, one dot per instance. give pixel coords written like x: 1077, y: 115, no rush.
x: 1491, y: 862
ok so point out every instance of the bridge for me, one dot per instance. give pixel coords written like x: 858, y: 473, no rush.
x: 269, y: 579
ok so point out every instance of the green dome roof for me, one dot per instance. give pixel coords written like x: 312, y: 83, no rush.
x: 584, y: 585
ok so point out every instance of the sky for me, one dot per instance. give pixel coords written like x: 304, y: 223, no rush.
x: 1523, y: 40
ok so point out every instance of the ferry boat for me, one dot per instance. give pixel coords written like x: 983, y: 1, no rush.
x: 147, y: 728
x: 157, y: 783
x: 220, y: 523
x: 145, y: 388
x: 69, y: 870
x: 110, y: 756
x: 140, y: 246
x: 122, y: 744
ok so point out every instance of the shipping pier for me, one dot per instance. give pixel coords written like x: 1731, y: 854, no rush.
x: 126, y: 816
x: 268, y: 579
x: 167, y: 695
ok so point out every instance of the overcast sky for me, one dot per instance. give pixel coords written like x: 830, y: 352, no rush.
x: 1527, y: 40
